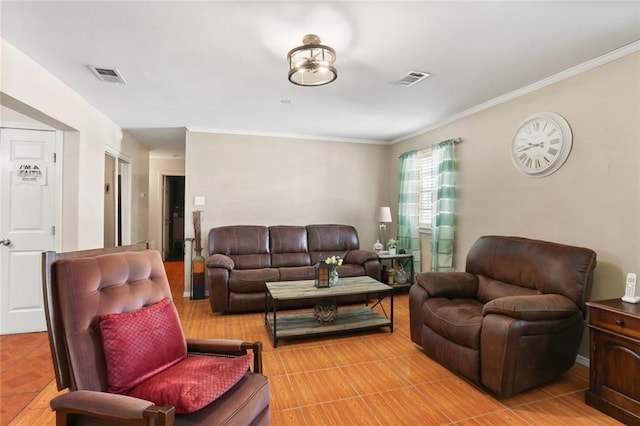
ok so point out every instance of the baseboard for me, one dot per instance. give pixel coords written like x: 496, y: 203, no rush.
x: 187, y: 294
x: 583, y: 361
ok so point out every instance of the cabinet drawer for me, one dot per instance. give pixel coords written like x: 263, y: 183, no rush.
x: 616, y: 322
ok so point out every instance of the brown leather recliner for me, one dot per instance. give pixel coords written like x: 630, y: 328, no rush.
x: 514, y: 320
x: 79, y: 288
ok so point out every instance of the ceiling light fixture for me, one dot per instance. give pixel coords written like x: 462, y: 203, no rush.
x: 312, y: 63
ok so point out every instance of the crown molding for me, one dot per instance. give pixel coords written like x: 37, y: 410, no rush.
x: 563, y: 75
x: 286, y: 135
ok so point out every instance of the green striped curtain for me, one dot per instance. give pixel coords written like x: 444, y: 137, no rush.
x: 408, y: 228
x: 444, y: 207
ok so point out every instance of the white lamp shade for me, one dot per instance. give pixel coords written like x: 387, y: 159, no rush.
x: 384, y: 214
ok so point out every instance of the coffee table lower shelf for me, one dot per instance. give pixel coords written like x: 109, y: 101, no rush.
x: 289, y: 326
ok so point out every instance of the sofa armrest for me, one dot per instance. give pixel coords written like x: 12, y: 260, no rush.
x: 227, y: 347
x: 220, y: 261
x: 111, y: 407
x: 537, y: 307
x: 449, y: 284
x: 360, y: 257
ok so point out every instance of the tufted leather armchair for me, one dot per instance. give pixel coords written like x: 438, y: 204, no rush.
x: 81, y: 286
x: 514, y: 320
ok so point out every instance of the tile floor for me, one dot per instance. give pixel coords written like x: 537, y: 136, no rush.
x: 375, y: 378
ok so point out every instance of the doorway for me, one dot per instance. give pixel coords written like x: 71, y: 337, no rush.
x: 116, y: 193
x: 173, y: 217
x: 110, y: 239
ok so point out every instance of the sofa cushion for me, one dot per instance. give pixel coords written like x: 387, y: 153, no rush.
x: 360, y: 257
x: 290, y: 260
x: 247, y: 403
x: 350, y: 270
x: 193, y: 383
x: 141, y: 343
x: 251, y: 261
x: 489, y: 289
x: 246, y: 245
x: 252, y: 280
x: 542, y: 307
x: 288, y: 246
x: 458, y: 320
x: 331, y: 240
x: 297, y: 273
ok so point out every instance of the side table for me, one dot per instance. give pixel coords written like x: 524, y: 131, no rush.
x: 406, y: 260
x: 614, y: 372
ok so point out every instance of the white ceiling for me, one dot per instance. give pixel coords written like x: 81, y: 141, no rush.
x: 221, y: 66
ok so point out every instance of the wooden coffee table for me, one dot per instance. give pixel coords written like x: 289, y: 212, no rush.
x: 298, y: 325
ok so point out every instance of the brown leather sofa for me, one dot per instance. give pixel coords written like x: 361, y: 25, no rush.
x: 242, y: 258
x: 514, y: 320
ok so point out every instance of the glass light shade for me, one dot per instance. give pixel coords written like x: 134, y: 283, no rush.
x: 312, y: 63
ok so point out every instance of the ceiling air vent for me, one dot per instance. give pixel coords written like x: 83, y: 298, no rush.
x: 109, y: 75
x: 411, y: 78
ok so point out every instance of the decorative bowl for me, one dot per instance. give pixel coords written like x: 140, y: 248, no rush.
x: 325, y: 312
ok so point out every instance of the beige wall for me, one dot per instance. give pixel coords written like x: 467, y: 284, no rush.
x: 29, y: 89
x: 9, y: 116
x: 281, y: 181
x: 138, y: 156
x: 592, y: 201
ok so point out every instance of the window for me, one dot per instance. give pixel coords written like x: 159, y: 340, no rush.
x: 425, y: 188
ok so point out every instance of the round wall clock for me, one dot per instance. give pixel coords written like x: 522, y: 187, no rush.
x: 541, y: 144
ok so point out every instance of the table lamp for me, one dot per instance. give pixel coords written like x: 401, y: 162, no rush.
x: 384, y: 217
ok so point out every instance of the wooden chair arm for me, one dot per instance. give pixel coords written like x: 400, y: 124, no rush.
x: 226, y: 347
x: 110, y: 408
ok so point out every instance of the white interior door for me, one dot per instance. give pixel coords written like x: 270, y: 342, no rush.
x: 28, y: 178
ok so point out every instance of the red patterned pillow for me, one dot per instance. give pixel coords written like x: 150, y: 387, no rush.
x: 140, y: 344
x: 193, y: 383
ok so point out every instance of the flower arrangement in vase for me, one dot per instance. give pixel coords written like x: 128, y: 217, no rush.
x: 392, y: 245
x: 333, y: 262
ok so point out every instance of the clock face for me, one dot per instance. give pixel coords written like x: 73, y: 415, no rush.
x: 541, y: 144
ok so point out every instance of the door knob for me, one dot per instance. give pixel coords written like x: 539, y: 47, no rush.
x: 5, y: 242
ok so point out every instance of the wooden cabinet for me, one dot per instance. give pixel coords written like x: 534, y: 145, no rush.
x: 614, y: 376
